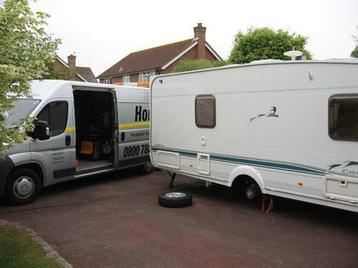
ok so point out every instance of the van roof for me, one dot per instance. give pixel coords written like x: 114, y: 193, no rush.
x: 41, y: 89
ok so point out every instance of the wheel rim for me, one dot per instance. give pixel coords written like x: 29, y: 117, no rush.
x: 174, y: 195
x: 251, y: 192
x: 23, y: 187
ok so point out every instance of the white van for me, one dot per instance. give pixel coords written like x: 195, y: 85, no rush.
x: 81, y: 129
x: 286, y: 129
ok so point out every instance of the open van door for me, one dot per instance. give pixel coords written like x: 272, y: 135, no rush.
x: 96, y: 129
x: 116, y: 130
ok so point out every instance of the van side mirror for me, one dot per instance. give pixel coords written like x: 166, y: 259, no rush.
x: 41, y: 130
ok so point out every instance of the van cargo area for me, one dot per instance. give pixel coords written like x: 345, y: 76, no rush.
x: 95, y: 129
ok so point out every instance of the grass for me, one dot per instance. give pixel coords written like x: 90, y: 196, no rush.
x: 17, y: 249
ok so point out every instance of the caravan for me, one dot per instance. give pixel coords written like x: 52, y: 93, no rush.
x: 287, y: 129
x: 81, y: 129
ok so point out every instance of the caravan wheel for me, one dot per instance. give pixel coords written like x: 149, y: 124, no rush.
x: 252, y: 191
x: 246, y: 187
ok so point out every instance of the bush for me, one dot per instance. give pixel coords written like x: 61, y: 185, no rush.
x: 190, y: 65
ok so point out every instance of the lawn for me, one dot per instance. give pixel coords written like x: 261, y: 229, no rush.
x: 17, y: 249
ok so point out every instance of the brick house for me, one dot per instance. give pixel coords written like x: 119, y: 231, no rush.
x: 69, y: 70
x: 140, y: 65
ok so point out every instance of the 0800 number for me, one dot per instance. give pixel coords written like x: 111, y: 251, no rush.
x: 135, y: 150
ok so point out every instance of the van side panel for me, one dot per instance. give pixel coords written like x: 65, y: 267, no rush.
x: 133, y: 146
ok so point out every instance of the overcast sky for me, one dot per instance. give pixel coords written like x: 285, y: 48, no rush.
x: 103, y: 32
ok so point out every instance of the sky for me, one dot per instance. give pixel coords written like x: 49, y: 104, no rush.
x: 100, y: 33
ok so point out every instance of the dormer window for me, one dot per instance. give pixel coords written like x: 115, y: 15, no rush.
x: 145, y: 76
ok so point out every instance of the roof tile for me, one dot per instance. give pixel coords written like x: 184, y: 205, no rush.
x: 148, y: 59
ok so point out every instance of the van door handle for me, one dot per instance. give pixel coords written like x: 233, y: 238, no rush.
x: 68, y: 140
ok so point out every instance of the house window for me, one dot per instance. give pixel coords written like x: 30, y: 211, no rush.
x: 343, y: 118
x: 205, y: 111
x: 145, y: 76
x: 126, y: 78
x: 106, y: 81
x: 55, y: 114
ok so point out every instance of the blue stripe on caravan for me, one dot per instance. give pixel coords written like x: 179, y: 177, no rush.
x: 253, y: 162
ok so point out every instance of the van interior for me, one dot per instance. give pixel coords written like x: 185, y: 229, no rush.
x: 95, y: 130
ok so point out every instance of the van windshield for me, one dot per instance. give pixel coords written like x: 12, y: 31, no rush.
x: 20, y: 110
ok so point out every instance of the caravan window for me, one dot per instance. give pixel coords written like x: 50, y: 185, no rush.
x: 205, y: 111
x: 343, y: 118
x: 55, y: 113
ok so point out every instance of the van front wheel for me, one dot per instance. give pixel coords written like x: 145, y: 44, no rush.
x: 22, y: 186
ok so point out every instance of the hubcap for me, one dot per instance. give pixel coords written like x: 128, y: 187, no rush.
x: 174, y: 195
x: 23, y: 187
x: 251, y: 192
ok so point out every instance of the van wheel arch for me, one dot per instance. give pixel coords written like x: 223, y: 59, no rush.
x: 34, y: 167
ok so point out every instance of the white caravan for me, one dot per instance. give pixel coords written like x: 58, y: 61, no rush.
x: 288, y: 129
x: 82, y: 129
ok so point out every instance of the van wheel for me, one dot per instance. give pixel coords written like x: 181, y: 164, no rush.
x: 147, y: 167
x: 175, y: 199
x: 22, y: 186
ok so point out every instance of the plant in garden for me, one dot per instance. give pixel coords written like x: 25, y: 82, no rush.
x: 25, y: 51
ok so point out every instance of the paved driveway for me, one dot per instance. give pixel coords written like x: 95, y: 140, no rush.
x: 114, y: 221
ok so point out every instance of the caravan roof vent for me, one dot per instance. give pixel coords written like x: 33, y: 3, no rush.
x: 293, y: 54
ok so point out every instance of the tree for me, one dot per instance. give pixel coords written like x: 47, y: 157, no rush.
x: 189, y: 65
x: 25, y: 51
x: 354, y: 53
x: 355, y: 50
x: 65, y: 74
x: 265, y: 43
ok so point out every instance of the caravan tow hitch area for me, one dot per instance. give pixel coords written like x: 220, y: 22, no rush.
x: 172, y: 176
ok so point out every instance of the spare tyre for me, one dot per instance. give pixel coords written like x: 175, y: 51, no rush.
x: 175, y: 199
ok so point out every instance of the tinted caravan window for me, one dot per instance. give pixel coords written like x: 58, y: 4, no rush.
x: 343, y: 118
x: 55, y: 113
x: 205, y: 111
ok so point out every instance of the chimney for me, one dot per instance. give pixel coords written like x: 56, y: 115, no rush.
x: 199, y: 32
x: 71, y: 60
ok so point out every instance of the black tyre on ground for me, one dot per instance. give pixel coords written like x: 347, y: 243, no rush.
x: 23, y: 185
x: 175, y: 199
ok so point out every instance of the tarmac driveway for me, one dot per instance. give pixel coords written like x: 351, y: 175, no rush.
x: 114, y: 221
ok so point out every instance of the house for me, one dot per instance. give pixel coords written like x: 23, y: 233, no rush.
x: 140, y: 65
x: 69, y: 71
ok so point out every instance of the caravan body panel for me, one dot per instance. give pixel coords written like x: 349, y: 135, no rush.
x: 272, y: 123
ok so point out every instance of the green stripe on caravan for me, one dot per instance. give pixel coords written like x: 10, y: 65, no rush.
x: 293, y: 167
